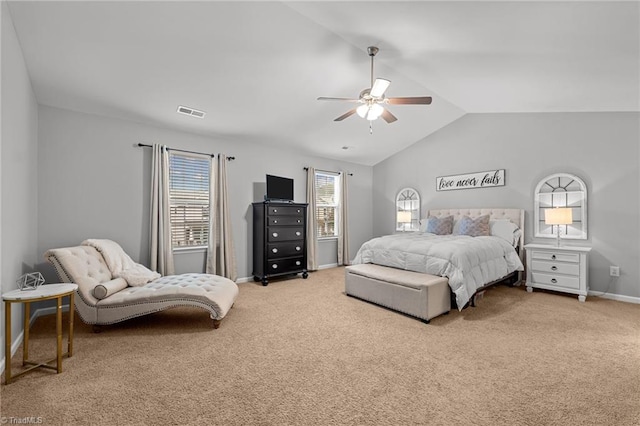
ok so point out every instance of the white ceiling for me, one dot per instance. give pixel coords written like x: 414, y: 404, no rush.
x: 257, y: 68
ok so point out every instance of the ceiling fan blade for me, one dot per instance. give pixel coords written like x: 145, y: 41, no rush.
x: 419, y: 100
x: 379, y: 87
x: 346, y: 115
x: 388, y: 117
x: 324, y: 98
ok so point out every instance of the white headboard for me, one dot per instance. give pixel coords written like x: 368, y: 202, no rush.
x: 514, y: 215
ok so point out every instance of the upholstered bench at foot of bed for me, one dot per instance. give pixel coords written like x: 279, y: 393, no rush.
x: 420, y: 295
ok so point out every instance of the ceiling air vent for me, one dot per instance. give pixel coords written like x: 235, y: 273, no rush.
x: 190, y: 111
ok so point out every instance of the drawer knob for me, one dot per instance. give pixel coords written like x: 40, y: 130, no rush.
x: 298, y: 233
x: 275, y: 221
x: 554, y: 268
x: 275, y: 210
x: 298, y: 248
x: 275, y: 235
x: 553, y: 280
x: 297, y: 263
x: 298, y: 220
x: 299, y: 210
x: 275, y: 250
x: 553, y: 256
x: 274, y: 266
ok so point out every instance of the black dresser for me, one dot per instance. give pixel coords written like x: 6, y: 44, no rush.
x: 279, y: 240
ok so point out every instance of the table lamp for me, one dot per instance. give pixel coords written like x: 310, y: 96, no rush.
x: 558, y: 216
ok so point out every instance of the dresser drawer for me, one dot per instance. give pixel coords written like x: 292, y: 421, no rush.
x: 284, y: 220
x: 284, y: 234
x: 284, y: 210
x: 552, y: 255
x: 285, y: 265
x: 556, y: 280
x: 555, y: 267
x: 278, y: 250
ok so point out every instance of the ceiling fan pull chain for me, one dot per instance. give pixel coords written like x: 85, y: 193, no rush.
x: 370, y: 127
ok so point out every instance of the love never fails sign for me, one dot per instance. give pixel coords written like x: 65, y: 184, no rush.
x: 487, y: 179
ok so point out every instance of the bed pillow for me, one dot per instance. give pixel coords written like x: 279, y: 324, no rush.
x: 504, y: 229
x: 477, y: 227
x: 440, y: 225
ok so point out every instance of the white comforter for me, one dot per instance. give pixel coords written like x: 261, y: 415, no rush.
x: 468, y: 262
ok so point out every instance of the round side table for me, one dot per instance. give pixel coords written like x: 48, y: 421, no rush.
x: 44, y: 292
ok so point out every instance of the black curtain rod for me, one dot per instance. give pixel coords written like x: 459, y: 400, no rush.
x: 327, y: 171
x: 184, y: 150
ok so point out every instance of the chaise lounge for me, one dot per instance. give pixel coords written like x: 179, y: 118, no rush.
x: 107, y: 295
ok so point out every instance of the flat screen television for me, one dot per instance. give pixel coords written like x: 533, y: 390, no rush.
x: 279, y: 188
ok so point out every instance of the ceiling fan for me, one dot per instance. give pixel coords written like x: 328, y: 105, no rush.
x: 372, y: 99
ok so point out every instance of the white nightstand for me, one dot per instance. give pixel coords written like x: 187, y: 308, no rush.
x: 558, y: 268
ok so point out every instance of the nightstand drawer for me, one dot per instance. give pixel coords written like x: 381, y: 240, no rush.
x: 556, y: 280
x: 555, y: 267
x: 551, y: 255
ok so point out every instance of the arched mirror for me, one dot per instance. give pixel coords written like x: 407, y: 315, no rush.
x: 408, y: 210
x: 569, y: 193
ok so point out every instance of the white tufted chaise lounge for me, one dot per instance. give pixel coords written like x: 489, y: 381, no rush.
x: 86, y: 267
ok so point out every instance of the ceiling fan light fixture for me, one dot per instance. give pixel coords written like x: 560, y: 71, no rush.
x: 370, y: 111
x: 376, y: 111
x: 363, y: 110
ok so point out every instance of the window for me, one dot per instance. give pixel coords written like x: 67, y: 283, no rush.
x: 327, y: 204
x: 189, y: 200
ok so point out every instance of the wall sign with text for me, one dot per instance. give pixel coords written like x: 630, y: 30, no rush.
x: 471, y: 180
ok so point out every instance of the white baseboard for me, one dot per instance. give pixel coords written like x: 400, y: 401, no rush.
x: 249, y: 279
x: 328, y: 266
x: 612, y: 296
x: 18, y: 341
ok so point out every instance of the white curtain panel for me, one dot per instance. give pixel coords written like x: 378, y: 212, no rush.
x: 161, y: 250
x: 343, y: 224
x: 312, y: 236
x: 221, y: 257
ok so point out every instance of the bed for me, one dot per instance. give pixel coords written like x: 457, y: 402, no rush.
x: 469, y: 263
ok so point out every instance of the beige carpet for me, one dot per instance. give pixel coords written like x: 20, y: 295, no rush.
x: 300, y: 352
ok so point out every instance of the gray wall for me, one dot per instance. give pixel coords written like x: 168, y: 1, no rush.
x: 94, y: 183
x: 601, y: 148
x: 19, y: 151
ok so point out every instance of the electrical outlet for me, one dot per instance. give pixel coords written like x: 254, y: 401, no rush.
x: 614, y: 271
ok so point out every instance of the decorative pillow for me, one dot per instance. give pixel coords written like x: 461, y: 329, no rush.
x: 440, y: 226
x: 504, y: 229
x: 106, y: 289
x: 474, y: 227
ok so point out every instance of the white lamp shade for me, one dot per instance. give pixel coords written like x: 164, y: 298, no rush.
x: 558, y: 216
x: 404, y: 217
x: 362, y: 110
x: 370, y: 112
x: 375, y: 111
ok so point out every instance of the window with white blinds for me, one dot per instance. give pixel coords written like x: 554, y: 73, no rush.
x: 189, y: 200
x: 327, y: 203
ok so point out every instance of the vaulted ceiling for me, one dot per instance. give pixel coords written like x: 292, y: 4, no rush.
x: 257, y: 68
